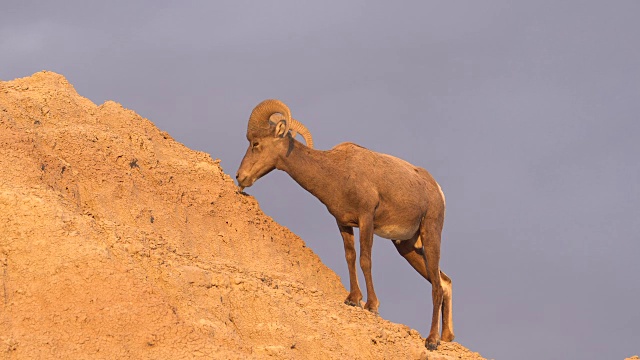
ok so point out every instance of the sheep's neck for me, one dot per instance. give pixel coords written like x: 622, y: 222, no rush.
x: 310, y: 168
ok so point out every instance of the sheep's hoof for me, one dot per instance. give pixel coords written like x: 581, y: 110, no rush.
x: 351, y: 303
x: 431, y: 345
x: 447, y: 336
x: 371, y: 307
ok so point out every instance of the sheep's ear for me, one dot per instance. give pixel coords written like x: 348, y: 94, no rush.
x: 280, y: 128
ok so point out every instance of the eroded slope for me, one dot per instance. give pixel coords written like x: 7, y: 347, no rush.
x: 118, y: 242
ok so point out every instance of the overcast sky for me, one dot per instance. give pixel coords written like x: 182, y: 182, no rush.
x: 527, y: 113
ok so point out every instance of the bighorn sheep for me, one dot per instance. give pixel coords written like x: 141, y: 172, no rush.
x: 378, y: 193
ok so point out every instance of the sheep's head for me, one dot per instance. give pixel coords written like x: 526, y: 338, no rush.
x: 269, y: 137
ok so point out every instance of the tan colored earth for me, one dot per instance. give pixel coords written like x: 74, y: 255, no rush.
x: 116, y: 241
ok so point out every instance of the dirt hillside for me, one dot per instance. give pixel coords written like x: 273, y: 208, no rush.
x: 116, y: 241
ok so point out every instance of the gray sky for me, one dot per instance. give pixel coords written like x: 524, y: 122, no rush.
x: 525, y: 112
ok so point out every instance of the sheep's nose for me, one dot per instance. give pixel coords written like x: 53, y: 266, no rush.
x: 239, y: 178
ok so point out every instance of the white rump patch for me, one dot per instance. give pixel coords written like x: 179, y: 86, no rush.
x: 444, y: 201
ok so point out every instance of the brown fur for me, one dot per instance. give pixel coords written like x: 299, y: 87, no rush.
x: 378, y: 193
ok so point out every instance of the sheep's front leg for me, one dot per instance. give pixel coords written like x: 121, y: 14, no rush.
x: 350, y: 254
x: 366, y: 244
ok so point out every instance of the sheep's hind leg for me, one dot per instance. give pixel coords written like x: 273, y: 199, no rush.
x: 431, y: 245
x: 447, y: 308
x: 415, y: 258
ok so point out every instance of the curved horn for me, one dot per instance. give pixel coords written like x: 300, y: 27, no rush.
x: 296, y: 127
x: 260, y: 115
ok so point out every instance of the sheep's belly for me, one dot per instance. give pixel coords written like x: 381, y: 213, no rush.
x: 395, y: 232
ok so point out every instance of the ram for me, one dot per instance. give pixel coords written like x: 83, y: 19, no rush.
x: 377, y: 193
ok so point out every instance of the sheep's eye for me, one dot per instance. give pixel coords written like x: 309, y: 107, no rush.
x: 255, y: 144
